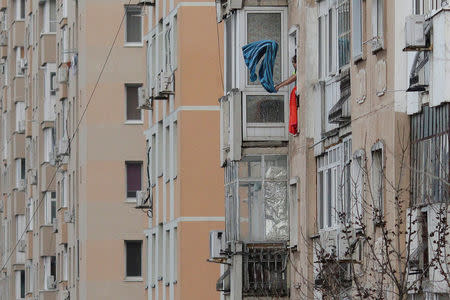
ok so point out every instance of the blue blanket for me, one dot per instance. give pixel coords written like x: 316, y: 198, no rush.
x: 253, y: 53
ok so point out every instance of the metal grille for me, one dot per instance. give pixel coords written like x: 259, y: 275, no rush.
x: 429, y: 155
x: 265, y: 270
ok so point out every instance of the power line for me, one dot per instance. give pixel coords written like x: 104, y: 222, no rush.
x: 73, y: 135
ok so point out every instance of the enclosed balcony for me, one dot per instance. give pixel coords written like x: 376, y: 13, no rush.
x: 256, y: 199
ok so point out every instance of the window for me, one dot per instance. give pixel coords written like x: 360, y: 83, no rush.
x: 64, y: 8
x: 357, y: 20
x: 64, y: 190
x: 20, y: 173
x: 20, y: 10
x: 256, y: 199
x: 64, y: 46
x: 377, y: 24
x: 50, y: 21
x: 133, y: 113
x: 50, y: 87
x: 133, y: 31
x: 344, y: 32
x: 160, y: 149
x: 175, y: 254
x: 65, y: 271
x: 357, y: 186
x: 329, y: 171
x: 293, y: 212
x: 175, y: 150
x: 133, y: 258
x: 30, y: 212
x: 64, y: 118
x: 167, y: 254
x: 49, y: 272
x: 20, y: 227
x: 20, y: 117
x: 50, y: 207
x: 20, y: 54
x: 377, y: 180
x: 421, y: 7
x: 154, y: 261
x: 134, y: 178
x: 49, y: 143
x: 167, y: 156
x: 20, y: 284
x: 153, y: 166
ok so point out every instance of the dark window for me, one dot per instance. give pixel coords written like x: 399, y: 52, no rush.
x: 53, y: 266
x: 133, y: 257
x: 22, y: 168
x: 133, y: 113
x: 22, y: 9
x: 133, y: 178
x: 53, y: 206
x: 22, y: 284
x: 134, y: 24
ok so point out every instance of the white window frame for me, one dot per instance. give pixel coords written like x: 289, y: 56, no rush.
x: 48, y: 143
x: 65, y: 55
x: 334, y: 160
x: 18, y: 284
x: 242, y: 41
x: 47, y: 269
x: 127, y: 121
x: 134, y: 278
x: 30, y: 212
x: 18, y: 5
x: 19, y: 175
x: 65, y: 271
x: 293, y: 39
x: 358, y: 183
x: 167, y: 152
x: 293, y: 211
x: 64, y: 189
x: 48, y: 207
x: 377, y: 25
x: 134, y: 44
x: 20, y: 115
x: 174, y: 149
x: 378, y: 203
x: 50, y: 93
x: 426, y: 7
x: 357, y: 29
x: 47, y: 28
x: 19, y: 58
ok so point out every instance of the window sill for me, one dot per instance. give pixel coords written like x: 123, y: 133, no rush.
x: 134, y: 122
x: 133, y: 279
x: 47, y: 33
x: 133, y: 45
x: 377, y: 46
x: 130, y: 200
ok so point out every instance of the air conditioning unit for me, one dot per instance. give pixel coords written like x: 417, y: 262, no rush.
x: 415, y: 37
x: 347, y: 246
x: 51, y: 284
x: 21, y: 185
x: 63, y: 75
x: 217, y: 244
x: 141, y: 199
x: 328, y: 241
x: 63, y: 146
x: 68, y: 216
x: 21, y: 126
x: 21, y: 246
x: 144, y: 102
x: 225, y: 7
x: 33, y: 177
x: 167, y: 83
x: 55, y: 225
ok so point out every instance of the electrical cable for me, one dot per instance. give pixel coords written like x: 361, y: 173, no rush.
x: 73, y: 135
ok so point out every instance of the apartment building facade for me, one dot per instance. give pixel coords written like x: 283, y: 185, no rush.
x: 72, y: 150
x: 180, y: 97
x: 366, y: 173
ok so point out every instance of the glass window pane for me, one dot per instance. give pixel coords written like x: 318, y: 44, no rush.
x: 133, y: 179
x: 275, y: 211
x: 133, y: 258
x: 251, y: 211
x: 265, y: 109
x: 275, y: 167
x: 133, y: 113
x: 134, y: 26
x: 265, y: 26
x: 250, y: 167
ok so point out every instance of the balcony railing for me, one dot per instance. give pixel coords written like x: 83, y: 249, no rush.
x: 264, y: 270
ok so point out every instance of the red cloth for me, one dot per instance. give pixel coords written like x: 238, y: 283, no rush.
x: 293, y: 122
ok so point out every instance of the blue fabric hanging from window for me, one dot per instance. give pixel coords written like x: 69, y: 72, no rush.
x: 253, y: 53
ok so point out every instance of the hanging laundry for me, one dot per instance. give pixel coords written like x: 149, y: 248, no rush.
x: 253, y: 53
x: 293, y: 122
